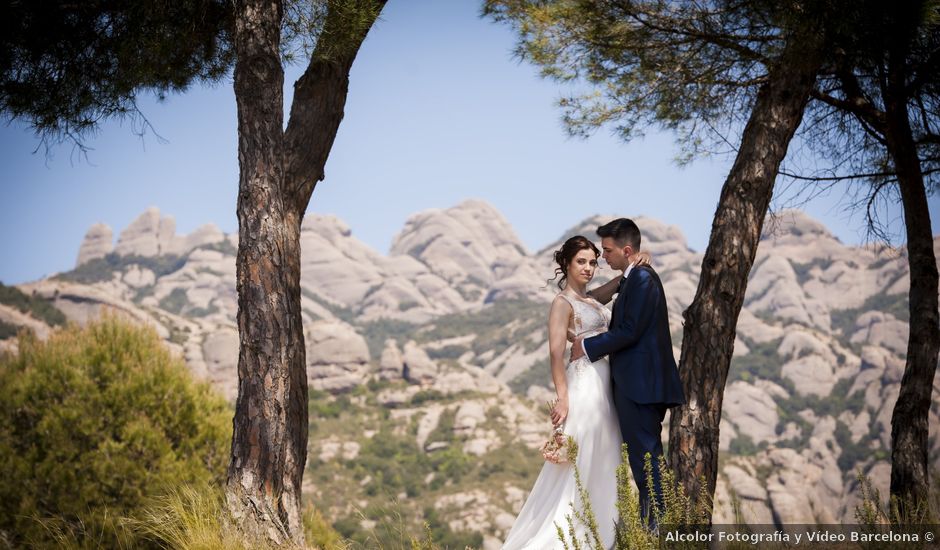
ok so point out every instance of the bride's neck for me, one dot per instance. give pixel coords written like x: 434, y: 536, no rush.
x: 580, y: 290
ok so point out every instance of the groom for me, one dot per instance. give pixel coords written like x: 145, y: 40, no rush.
x: 644, y: 376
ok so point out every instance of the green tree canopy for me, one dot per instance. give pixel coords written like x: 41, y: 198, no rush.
x: 67, y: 66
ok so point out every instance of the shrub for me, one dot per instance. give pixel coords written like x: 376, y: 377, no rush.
x: 689, y: 512
x: 93, y: 423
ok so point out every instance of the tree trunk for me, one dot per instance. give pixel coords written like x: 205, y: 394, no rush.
x: 270, y: 426
x: 278, y: 172
x: 711, y: 319
x: 909, y: 429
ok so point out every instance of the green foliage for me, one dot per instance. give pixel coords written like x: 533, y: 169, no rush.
x: 203, y: 311
x: 833, y: 404
x: 426, y: 395
x: 539, y: 374
x: 31, y: 305
x: 187, y: 518
x: 445, y: 537
x: 391, y: 467
x: 852, y: 453
x: 96, y: 421
x: 761, y: 362
x: 102, y: 269
x: 496, y: 326
x: 394, y: 463
x: 678, y: 511
x: 224, y: 246
x: 319, y: 532
x: 447, y: 352
x: 391, y: 530
x: 743, y: 445
x: 344, y: 314
x: 444, y: 431
x: 377, y: 332
x: 898, y: 305
x: 323, y: 405
x: 803, y: 270
x: 7, y: 330
x: 64, y: 69
x: 876, y: 514
x: 175, y: 301
x: 191, y: 518
x: 694, y: 67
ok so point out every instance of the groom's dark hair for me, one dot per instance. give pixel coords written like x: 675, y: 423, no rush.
x: 623, y: 231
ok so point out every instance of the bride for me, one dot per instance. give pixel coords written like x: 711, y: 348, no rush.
x: 584, y: 410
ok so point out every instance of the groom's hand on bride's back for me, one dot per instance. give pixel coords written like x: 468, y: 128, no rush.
x: 577, y: 349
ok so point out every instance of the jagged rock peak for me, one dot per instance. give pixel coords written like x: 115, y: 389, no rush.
x: 470, y: 222
x: 151, y: 234
x: 469, y: 241
x: 654, y: 233
x: 148, y: 235
x: 327, y: 226
x: 793, y: 223
x: 98, y: 243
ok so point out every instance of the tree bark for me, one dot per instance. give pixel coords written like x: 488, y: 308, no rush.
x: 909, y: 428
x: 270, y: 429
x: 278, y: 172
x: 711, y: 319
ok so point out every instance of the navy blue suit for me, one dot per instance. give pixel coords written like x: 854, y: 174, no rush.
x: 643, y: 370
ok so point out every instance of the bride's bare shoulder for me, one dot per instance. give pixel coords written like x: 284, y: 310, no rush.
x: 561, y: 305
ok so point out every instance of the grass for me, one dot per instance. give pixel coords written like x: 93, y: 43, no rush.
x: 874, y: 512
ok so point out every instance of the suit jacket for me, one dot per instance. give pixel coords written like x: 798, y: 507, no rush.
x: 639, y: 344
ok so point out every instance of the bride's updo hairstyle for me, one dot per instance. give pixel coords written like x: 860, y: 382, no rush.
x: 564, y: 255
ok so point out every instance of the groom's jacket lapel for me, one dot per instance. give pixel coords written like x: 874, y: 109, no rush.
x: 620, y: 303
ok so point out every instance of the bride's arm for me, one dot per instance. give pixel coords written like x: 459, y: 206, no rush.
x: 606, y: 291
x: 558, y: 318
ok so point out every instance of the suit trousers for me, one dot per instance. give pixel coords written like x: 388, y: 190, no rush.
x: 641, y: 428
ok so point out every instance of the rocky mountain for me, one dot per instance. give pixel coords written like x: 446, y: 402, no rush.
x: 436, y: 353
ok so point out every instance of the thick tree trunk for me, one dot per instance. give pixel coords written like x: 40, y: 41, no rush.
x: 909, y: 429
x: 278, y: 172
x: 711, y: 318
x: 270, y: 426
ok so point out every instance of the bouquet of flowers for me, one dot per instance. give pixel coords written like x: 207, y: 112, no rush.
x: 555, y: 449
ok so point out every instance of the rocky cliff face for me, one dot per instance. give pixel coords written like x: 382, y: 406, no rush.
x: 447, y: 334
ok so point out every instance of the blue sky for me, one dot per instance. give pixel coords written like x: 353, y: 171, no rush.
x: 438, y: 111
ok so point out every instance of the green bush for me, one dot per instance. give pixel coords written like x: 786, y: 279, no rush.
x: 94, y: 423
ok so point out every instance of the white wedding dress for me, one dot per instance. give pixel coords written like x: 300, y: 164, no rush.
x: 592, y: 422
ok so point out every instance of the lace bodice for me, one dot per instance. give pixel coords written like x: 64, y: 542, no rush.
x: 589, y: 317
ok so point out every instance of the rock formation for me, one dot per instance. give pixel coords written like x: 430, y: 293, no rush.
x: 457, y: 311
